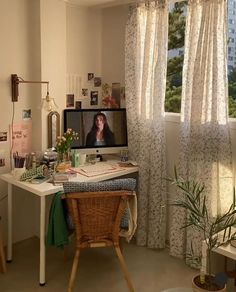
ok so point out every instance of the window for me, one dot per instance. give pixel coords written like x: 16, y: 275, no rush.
x: 177, y: 19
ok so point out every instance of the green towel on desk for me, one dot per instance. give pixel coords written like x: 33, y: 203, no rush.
x: 58, y: 234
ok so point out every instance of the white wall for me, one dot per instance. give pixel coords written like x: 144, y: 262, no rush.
x: 113, y: 44
x: 33, y: 46
x: 84, y: 37
x: 53, y: 55
x: 19, y: 31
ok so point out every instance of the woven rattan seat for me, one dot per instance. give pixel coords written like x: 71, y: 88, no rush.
x: 96, y: 217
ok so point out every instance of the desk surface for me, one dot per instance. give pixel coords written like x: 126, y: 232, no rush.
x: 46, y: 188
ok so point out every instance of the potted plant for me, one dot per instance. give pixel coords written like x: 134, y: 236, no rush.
x: 216, y: 231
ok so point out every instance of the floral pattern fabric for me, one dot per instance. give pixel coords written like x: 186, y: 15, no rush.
x: 145, y: 76
x: 205, y: 148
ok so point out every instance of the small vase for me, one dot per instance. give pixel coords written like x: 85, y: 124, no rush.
x: 66, y: 156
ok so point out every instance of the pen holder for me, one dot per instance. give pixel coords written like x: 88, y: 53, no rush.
x: 17, y: 172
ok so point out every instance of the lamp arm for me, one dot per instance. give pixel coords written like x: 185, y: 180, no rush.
x: 16, y: 80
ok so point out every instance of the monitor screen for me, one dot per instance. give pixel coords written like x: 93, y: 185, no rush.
x: 100, y: 131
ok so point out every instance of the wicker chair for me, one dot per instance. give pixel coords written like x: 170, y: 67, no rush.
x: 96, y: 216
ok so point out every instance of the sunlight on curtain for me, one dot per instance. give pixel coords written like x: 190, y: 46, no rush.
x: 145, y: 71
x: 205, y: 147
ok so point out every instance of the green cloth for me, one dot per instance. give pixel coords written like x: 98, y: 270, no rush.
x: 58, y: 233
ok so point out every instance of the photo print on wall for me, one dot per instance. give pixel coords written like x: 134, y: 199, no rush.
x: 84, y: 91
x: 26, y: 114
x: 3, y: 136
x: 97, y: 81
x: 90, y: 76
x: 78, y: 104
x: 70, y: 100
x: 94, y: 98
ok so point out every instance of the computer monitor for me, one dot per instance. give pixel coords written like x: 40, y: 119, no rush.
x: 86, y: 122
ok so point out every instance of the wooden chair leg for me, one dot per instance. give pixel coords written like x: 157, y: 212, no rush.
x: 74, y: 270
x: 3, y: 267
x: 121, y: 244
x: 124, y: 268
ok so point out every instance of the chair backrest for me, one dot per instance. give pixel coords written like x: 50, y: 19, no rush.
x: 97, y: 208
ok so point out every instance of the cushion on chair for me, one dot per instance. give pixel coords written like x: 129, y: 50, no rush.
x: 128, y: 184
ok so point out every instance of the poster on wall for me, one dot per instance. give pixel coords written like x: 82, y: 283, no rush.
x: 3, y: 136
x: 21, y: 137
x: 2, y: 158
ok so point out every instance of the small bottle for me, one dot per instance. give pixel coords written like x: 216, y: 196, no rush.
x: 33, y: 160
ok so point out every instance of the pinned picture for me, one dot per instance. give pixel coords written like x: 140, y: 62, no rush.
x: 97, y: 81
x: 3, y: 136
x: 94, y: 98
x: 78, y: 104
x: 116, y: 95
x: 84, y: 91
x: 26, y: 114
x: 90, y: 76
x: 2, y: 162
x: 70, y: 100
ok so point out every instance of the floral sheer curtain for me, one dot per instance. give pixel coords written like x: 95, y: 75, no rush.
x: 146, y: 63
x: 205, y: 150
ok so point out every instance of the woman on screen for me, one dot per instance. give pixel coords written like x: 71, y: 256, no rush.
x: 100, y: 133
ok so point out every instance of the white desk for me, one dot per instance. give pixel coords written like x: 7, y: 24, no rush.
x: 43, y: 190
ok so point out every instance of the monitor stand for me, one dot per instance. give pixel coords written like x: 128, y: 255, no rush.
x: 100, y: 157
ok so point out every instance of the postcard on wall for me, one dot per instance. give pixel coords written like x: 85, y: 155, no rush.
x: 3, y: 158
x: 3, y: 136
x: 116, y: 94
x: 90, y: 76
x: 70, y: 100
x: 97, y: 81
x: 94, y: 98
x: 22, y: 137
x: 84, y: 91
x: 78, y: 104
x: 26, y: 114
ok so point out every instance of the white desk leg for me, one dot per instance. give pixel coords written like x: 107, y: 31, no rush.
x: 42, y: 241
x: 9, y: 215
x: 204, y: 257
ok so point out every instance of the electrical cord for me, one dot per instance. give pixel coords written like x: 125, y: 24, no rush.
x: 12, y: 140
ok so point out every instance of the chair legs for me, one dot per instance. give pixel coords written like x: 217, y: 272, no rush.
x: 124, y: 268
x: 74, y: 270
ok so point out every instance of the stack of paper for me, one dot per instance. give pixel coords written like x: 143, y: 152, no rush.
x: 97, y: 169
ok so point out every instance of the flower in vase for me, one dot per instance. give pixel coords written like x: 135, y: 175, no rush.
x: 64, y: 142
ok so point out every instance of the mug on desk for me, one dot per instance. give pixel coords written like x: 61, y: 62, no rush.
x: 17, y: 172
x: 82, y: 159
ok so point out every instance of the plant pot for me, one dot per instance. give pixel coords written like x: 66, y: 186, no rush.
x: 196, y: 285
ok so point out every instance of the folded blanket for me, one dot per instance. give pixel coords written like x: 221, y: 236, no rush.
x: 58, y: 232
